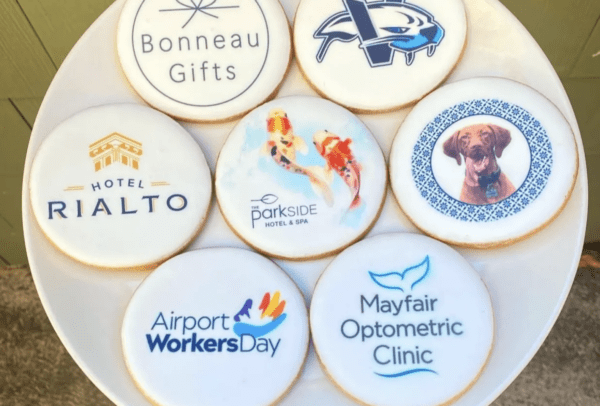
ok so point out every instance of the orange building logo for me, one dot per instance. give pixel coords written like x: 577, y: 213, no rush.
x: 116, y: 148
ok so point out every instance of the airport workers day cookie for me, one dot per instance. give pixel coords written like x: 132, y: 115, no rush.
x: 216, y: 327
x: 204, y: 60
x: 120, y: 186
x: 483, y: 162
x: 300, y: 177
x: 402, y: 320
x: 374, y: 56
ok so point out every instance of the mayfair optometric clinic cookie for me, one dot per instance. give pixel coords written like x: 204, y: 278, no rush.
x: 483, y: 162
x: 402, y: 320
x: 120, y: 186
x: 204, y: 60
x: 300, y: 177
x: 216, y: 327
x: 378, y: 55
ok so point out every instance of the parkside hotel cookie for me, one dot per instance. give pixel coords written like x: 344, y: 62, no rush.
x: 120, y: 186
x: 204, y: 60
x: 300, y: 177
x: 216, y: 327
x: 483, y: 162
x: 402, y: 320
x: 373, y: 56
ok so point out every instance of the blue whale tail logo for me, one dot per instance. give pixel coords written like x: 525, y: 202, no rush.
x: 405, y: 280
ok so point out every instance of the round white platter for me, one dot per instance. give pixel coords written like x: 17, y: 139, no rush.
x: 528, y: 281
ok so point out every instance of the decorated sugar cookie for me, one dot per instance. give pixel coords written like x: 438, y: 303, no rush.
x: 204, y: 60
x: 215, y: 327
x: 483, y: 162
x: 120, y: 186
x: 300, y: 177
x: 402, y: 320
x: 378, y: 55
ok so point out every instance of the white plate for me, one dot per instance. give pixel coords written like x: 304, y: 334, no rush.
x: 528, y: 282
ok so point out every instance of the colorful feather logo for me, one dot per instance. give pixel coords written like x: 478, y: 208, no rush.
x: 271, y: 307
x: 405, y: 280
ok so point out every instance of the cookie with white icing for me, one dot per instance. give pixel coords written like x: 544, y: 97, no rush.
x: 378, y: 55
x: 483, y: 162
x: 120, y: 186
x: 402, y: 320
x: 300, y: 177
x: 204, y: 61
x: 215, y: 327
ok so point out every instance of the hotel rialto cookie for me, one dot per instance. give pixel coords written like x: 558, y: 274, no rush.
x: 216, y: 327
x: 378, y: 55
x: 204, y: 60
x: 120, y: 186
x: 300, y: 177
x: 483, y: 162
x: 402, y: 320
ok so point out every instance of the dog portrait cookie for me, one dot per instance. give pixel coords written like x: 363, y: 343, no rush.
x: 300, y: 177
x: 483, y: 162
x: 402, y: 320
x: 373, y: 56
x: 204, y: 60
x: 120, y: 186
x: 217, y: 327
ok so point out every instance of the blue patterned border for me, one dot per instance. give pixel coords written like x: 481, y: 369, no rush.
x: 535, y: 182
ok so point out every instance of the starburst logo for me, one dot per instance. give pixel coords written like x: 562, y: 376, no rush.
x: 197, y: 7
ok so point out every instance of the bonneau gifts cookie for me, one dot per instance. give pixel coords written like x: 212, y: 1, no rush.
x: 300, y: 177
x: 483, y: 162
x: 120, y: 185
x: 204, y: 60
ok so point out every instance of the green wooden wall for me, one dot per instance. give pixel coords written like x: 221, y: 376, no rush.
x: 36, y: 35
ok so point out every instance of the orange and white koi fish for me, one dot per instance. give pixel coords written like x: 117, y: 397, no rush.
x: 338, y: 155
x: 282, y: 147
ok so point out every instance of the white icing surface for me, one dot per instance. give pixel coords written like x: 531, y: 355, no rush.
x: 542, y: 177
x: 348, y: 74
x: 299, y: 215
x: 409, y: 293
x: 108, y: 213
x: 207, y: 289
x: 204, y: 62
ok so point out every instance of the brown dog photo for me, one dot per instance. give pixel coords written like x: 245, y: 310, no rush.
x: 480, y: 145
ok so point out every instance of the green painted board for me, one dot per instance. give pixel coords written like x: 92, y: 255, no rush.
x: 12, y: 244
x: 26, y: 69
x: 593, y: 222
x: 14, y: 137
x: 60, y: 23
x: 561, y: 27
x: 585, y: 99
x: 28, y: 108
x: 588, y: 64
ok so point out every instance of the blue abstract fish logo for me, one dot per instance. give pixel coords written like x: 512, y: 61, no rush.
x: 383, y: 28
x: 405, y: 280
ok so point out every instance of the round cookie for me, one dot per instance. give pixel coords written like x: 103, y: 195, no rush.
x: 216, y: 327
x: 300, y: 177
x: 483, y: 162
x: 379, y: 55
x: 120, y: 186
x: 402, y: 320
x: 204, y: 61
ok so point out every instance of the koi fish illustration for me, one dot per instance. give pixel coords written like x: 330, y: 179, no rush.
x: 282, y: 147
x: 338, y: 155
